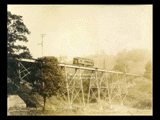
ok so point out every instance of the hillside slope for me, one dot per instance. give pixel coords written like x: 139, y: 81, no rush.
x: 24, y: 92
x: 140, y: 95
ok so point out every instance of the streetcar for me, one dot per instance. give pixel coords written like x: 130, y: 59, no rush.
x: 83, y: 62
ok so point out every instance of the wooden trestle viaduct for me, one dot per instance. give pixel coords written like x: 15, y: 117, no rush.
x: 100, y: 87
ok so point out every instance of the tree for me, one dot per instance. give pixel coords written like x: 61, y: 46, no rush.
x: 133, y: 60
x: 138, y: 55
x: 148, y: 70
x: 121, y: 62
x: 48, y: 77
x: 16, y: 31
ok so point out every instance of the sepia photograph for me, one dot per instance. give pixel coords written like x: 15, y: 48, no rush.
x: 79, y: 60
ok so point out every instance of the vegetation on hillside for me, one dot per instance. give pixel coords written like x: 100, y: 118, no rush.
x: 121, y: 62
x: 148, y: 70
x: 140, y: 95
x: 133, y: 61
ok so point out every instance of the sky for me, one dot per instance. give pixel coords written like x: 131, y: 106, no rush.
x: 78, y: 30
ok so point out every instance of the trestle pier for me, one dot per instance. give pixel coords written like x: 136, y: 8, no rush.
x: 104, y: 85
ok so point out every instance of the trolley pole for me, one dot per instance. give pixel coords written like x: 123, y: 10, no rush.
x: 42, y: 35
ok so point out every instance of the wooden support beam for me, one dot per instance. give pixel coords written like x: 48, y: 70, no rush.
x: 82, y: 90
x: 67, y: 85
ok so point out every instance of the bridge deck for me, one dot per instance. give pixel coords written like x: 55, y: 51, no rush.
x: 80, y: 67
x: 93, y: 69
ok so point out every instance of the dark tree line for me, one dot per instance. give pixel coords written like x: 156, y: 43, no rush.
x: 16, y: 31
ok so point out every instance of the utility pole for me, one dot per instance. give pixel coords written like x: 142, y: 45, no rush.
x: 42, y: 35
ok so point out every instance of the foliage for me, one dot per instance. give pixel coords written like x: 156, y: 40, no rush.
x: 148, y: 70
x: 121, y: 62
x: 133, y: 59
x: 16, y: 31
x: 48, y: 77
x: 11, y: 71
x: 138, y: 55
